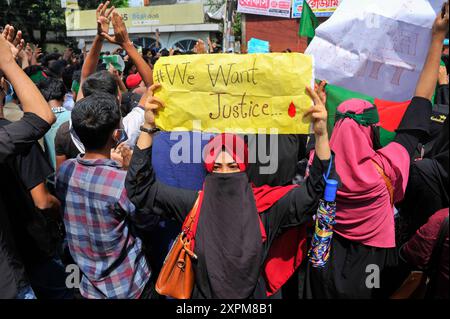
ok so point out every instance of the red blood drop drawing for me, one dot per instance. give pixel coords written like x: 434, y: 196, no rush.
x: 292, y: 110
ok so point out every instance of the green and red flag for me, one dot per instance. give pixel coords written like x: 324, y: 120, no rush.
x: 391, y: 113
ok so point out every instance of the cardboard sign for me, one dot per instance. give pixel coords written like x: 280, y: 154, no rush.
x: 376, y: 48
x: 258, y: 46
x: 235, y: 93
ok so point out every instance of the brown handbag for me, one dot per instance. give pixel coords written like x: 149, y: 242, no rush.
x: 176, y: 279
x: 414, y: 287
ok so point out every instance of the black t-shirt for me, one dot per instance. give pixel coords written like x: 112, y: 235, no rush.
x: 281, y: 154
x: 19, y: 175
x: 64, y: 146
x: 32, y: 164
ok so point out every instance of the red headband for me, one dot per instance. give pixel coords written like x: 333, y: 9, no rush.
x: 232, y: 144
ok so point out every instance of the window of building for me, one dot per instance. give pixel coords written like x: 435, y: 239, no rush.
x: 185, y: 45
x: 147, y: 43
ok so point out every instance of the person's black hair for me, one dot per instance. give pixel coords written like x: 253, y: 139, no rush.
x: 52, y: 89
x: 57, y: 68
x: 50, y: 57
x: 128, y: 66
x: 102, y: 81
x: 33, y: 69
x: 154, y: 60
x: 164, y: 52
x: 145, y: 51
x: 101, y: 67
x: 147, y: 59
x: 76, y: 76
x: 94, y: 119
x: 129, y: 101
x: 67, y: 76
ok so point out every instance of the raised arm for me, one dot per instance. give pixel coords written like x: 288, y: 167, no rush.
x: 415, y: 124
x: 428, y: 78
x: 121, y: 38
x: 303, y: 200
x: 319, y: 116
x: 38, y: 116
x: 145, y: 192
x: 442, y: 94
x: 37, y: 53
x: 28, y: 94
x: 103, y: 15
x: 157, y: 38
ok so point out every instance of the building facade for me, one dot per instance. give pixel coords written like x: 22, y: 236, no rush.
x: 278, y: 21
x: 180, y: 24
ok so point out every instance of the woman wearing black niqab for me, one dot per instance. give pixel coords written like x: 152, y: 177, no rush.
x: 249, y: 240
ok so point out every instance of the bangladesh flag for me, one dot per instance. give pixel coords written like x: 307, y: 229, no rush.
x: 391, y: 113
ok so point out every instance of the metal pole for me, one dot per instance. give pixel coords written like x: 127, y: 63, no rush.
x: 225, y: 28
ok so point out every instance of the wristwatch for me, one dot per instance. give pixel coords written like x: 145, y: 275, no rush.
x: 150, y: 131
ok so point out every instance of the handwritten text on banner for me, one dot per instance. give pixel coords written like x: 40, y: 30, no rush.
x: 377, y: 48
x: 235, y: 93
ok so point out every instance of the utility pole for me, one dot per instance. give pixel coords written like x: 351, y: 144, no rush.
x: 227, y: 25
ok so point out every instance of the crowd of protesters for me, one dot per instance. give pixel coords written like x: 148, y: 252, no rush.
x: 81, y: 184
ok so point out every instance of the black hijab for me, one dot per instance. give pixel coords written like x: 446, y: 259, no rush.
x: 228, y: 239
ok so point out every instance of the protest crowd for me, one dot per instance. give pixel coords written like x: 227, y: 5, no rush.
x: 93, y: 207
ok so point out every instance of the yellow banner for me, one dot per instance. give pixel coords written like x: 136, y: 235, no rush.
x: 185, y: 13
x: 235, y: 93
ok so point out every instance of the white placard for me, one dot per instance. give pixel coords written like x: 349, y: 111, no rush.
x: 375, y: 47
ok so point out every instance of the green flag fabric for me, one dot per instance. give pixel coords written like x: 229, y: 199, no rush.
x: 115, y: 60
x: 308, y: 22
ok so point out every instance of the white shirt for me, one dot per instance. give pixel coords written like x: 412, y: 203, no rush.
x: 132, y: 124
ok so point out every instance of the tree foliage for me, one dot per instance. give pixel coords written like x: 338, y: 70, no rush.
x: 30, y: 15
x: 93, y: 4
x: 215, y: 4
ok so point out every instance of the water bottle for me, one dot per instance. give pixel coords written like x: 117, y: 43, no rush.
x: 323, y: 231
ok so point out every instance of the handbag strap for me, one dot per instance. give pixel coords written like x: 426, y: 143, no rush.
x: 436, y: 254
x: 386, y: 179
x: 190, y: 218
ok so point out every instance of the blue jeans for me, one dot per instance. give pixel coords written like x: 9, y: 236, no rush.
x: 26, y: 293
